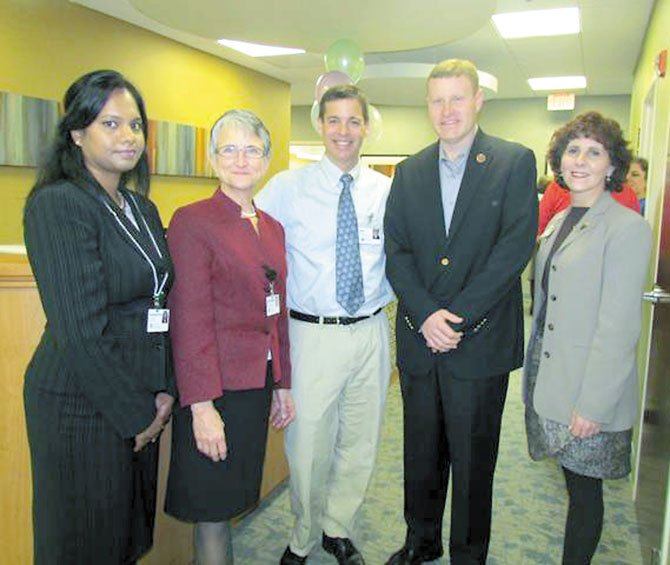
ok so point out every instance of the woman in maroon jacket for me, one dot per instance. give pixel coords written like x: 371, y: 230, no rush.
x: 230, y: 340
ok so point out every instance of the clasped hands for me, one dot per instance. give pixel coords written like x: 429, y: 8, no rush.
x: 164, y: 403
x: 439, y: 335
x: 209, y: 430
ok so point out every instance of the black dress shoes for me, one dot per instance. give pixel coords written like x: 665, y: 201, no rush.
x: 410, y: 556
x: 290, y: 558
x: 344, y: 551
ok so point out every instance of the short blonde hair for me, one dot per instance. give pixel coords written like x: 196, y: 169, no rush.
x: 456, y: 68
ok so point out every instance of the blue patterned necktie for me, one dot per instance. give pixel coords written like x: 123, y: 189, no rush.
x: 349, y: 273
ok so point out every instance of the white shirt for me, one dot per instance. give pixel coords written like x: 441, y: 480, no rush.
x: 305, y: 202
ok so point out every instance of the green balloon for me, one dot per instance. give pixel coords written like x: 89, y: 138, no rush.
x: 345, y: 56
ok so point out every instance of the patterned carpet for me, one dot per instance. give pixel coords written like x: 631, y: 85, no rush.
x: 528, y: 514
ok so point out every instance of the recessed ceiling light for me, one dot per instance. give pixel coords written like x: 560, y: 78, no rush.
x: 257, y: 50
x: 557, y: 83
x: 536, y: 23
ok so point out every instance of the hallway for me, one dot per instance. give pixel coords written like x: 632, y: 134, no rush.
x: 528, y: 514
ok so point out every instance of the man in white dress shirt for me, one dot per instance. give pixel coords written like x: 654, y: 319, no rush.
x: 332, y: 212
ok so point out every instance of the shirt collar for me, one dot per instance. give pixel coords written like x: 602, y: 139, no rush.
x: 230, y: 210
x: 462, y: 155
x: 333, y: 172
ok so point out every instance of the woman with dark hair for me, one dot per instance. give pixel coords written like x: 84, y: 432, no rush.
x: 230, y: 336
x: 98, y: 390
x: 637, y: 178
x: 580, y: 377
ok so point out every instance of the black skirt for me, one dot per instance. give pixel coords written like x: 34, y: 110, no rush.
x: 94, y: 500
x: 201, y: 490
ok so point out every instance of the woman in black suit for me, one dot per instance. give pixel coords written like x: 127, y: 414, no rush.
x: 98, y: 390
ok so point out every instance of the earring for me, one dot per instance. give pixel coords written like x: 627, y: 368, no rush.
x: 608, y: 179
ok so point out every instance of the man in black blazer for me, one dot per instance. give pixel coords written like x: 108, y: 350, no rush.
x: 460, y: 227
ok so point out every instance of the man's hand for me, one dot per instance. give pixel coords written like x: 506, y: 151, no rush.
x: 437, y: 332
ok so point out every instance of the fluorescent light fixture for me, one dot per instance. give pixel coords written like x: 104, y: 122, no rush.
x: 537, y: 23
x: 557, y: 83
x: 257, y: 50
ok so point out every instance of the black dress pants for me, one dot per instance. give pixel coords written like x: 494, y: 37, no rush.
x: 451, y: 425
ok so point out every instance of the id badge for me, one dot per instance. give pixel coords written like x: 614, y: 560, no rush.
x: 158, y: 320
x: 272, y: 306
x: 370, y: 236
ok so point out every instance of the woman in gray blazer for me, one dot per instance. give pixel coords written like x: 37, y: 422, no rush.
x: 580, y: 378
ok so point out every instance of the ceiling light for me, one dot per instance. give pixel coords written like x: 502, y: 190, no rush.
x: 557, y: 83
x: 536, y: 23
x: 257, y: 50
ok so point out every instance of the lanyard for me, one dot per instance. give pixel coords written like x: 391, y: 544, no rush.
x: 151, y: 235
x: 158, y: 288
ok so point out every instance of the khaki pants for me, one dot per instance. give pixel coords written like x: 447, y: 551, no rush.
x: 339, y: 382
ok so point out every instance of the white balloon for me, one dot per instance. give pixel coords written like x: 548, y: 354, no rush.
x: 314, y: 116
x: 375, y: 125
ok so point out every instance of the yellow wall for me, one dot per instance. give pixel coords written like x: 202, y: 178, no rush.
x: 46, y: 44
x: 655, y: 40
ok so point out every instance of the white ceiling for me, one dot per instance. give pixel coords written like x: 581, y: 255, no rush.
x: 401, y: 39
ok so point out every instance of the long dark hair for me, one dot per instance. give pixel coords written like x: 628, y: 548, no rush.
x: 82, y: 103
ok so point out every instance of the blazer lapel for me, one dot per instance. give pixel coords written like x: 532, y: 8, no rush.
x: 479, y: 160
x: 141, y: 232
x: 545, y: 243
x: 434, y: 213
x: 588, y: 221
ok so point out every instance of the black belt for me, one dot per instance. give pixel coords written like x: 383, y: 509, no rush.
x: 332, y: 320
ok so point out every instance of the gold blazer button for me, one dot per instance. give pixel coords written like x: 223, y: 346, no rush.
x: 444, y: 261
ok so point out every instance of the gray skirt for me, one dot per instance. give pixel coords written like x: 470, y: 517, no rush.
x: 603, y: 456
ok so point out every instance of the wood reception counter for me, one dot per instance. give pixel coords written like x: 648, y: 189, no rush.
x: 21, y: 324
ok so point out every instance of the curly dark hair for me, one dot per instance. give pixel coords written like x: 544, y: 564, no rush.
x: 82, y: 103
x: 606, y: 132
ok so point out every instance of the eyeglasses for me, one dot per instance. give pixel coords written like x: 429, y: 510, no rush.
x: 231, y: 151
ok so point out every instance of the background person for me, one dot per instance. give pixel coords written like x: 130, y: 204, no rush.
x: 581, y: 387
x: 230, y: 339
x: 98, y: 389
x: 637, y: 179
